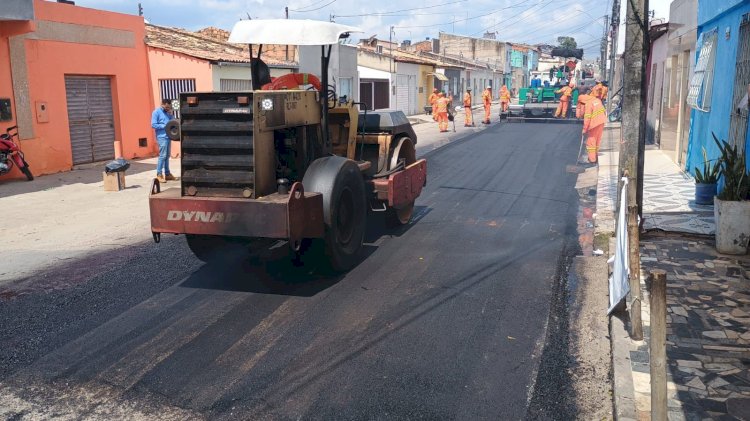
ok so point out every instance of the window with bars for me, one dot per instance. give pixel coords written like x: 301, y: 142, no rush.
x: 233, y: 85
x: 172, y: 88
x: 701, y: 85
x: 738, y: 121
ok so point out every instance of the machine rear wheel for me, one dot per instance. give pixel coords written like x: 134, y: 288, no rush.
x: 403, y: 151
x: 344, y: 207
x: 208, y: 248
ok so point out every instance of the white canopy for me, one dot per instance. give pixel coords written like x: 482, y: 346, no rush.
x: 288, y: 32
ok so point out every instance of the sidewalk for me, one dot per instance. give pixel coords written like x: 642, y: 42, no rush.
x: 708, y: 299
x: 68, y: 215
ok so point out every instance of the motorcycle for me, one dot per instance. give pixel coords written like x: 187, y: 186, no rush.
x: 10, y: 154
x: 616, y: 113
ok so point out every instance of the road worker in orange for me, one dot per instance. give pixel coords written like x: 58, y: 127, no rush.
x: 433, y: 97
x: 605, y: 91
x: 468, y: 117
x: 594, y: 117
x: 504, y: 98
x: 487, y: 100
x: 565, y: 93
x: 441, y: 105
x: 597, y: 89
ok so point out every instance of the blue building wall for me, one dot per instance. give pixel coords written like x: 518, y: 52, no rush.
x: 719, y: 15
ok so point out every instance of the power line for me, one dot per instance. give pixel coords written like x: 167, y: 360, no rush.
x: 506, y: 20
x: 317, y: 8
x: 399, y: 11
x: 309, y: 5
x: 485, y: 14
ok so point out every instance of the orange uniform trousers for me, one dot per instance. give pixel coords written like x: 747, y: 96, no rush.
x: 487, y: 112
x: 504, y: 105
x: 594, y: 141
x: 562, y: 108
x: 442, y: 119
x: 468, y: 117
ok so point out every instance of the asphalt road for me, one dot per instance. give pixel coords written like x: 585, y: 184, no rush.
x: 445, y: 318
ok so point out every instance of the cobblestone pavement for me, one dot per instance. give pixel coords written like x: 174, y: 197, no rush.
x: 708, y: 330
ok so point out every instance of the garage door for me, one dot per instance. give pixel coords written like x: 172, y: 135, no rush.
x: 402, y: 93
x: 91, y: 122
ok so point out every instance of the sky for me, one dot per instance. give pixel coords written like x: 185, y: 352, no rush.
x: 527, y: 21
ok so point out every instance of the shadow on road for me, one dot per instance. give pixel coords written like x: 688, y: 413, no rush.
x: 271, y: 267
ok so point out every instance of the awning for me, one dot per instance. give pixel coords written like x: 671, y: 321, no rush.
x: 438, y: 76
x: 370, y: 73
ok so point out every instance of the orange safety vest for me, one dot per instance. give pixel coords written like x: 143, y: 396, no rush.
x: 504, y: 94
x: 594, y: 115
x: 582, y: 100
x: 566, y: 92
x: 467, y: 100
x: 487, y: 98
x: 442, y: 105
x: 433, y: 98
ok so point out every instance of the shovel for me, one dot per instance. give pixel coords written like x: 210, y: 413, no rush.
x: 577, y: 168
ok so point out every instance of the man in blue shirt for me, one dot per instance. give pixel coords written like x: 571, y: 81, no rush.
x: 159, y: 119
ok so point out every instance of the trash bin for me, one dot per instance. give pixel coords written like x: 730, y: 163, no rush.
x: 114, y: 174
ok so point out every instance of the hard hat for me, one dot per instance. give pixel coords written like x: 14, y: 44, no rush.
x: 468, y: 89
x: 605, y: 83
x: 434, y: 89
x: 489, y: 87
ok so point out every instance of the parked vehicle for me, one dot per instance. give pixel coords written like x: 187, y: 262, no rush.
x: 10, y: 154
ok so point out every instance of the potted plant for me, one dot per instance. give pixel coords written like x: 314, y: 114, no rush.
x: 705, y: 180
x: 731, y: 207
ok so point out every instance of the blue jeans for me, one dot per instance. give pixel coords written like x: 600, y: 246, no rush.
x: 162, y: 166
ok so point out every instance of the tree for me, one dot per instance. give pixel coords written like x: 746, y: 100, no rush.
x: 567, y: 42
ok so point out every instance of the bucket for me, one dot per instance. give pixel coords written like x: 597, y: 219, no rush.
x: 704, y: 193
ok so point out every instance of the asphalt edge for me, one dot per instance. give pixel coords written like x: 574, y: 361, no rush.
x: 622, y: 372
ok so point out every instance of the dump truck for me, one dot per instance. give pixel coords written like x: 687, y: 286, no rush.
x: 288, y: 160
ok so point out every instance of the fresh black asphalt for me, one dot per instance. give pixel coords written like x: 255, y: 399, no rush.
x: 445, y: 318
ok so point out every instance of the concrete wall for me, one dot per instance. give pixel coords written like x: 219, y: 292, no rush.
x: 171, y: 65
x: 17, y: 10
x: 229, y: 71
x: 343, y: 64
x: 62, y: 41
x: 721, y: 14
x: 474, y: 48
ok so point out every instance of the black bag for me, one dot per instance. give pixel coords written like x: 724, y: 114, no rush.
x: 118, y: 165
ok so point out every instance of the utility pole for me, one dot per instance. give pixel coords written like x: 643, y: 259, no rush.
x: 614, y: 29
x: 286, y: 15
x: 603, y: 66
x: 390, y: 48
x: 632, y: 142
x: 140, y: 10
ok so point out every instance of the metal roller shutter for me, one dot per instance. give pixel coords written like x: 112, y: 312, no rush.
x: 90, y: 117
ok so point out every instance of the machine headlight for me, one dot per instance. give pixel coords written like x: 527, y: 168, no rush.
x: 267, y: 104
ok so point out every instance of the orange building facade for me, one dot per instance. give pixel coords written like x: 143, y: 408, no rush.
x: 79, y: 86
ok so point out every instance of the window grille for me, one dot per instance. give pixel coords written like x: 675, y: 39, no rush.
x: 234, y: 85
x: 701, y: 85
x: 172, y: 88
x: 738, y: 121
